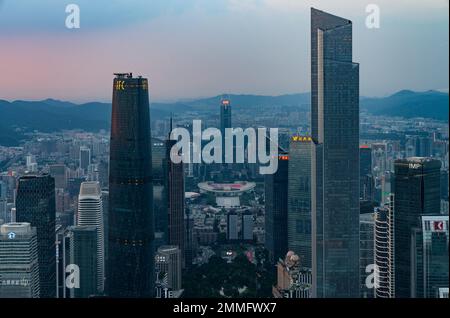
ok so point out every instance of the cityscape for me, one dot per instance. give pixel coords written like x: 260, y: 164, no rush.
x: 327, y: 193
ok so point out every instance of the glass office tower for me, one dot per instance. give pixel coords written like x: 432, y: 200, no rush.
x: 131, y: 233
x: 429, y: 259
x: 276, y: 192
x: 417, y: 193
x: 35, y: 204
x: 335, y: 157
x: 299, y: 198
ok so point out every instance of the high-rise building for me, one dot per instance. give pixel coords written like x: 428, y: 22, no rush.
x: 365, y: 172
x: 247, y: 224
x: 276, y: 209
x: 35, y: 204
x: 225, y: 119
x: 232, y: 226
x: 159, y: 169
x: 417, y: 193
x: 424, y: 146
x: 31, y: 163
x: 444, y: 185
x: 299, y: 198
x: 190, y: 241
x: 168, y: 266
x: 62, y: 261
x: 59, y: 173
x: 175, y: 199
x: 19, y: 268
x: 105, y: 205
x: 90, y: 213
x: 384, y: 250
x: 2, y: 190
x: 131, y: 232
x: 429, y: 259
x: 85, y: 158
x: 335, y: 157
x: 4, y: 217
x: 365, y: 160
x: 366, y: 251
x: 84, y: 254
x: 379, y: 158
x: 3, y: 203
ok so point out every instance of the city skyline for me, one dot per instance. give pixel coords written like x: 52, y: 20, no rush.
x: 327, y: 195
x: 271, y: 37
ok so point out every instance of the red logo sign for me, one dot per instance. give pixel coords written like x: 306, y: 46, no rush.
x: 439, y: 226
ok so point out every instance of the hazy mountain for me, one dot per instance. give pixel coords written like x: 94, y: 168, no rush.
x: 53, y: 115
x: 408, y: 104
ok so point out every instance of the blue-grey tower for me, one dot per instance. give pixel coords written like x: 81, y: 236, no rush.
x: 335, y: 157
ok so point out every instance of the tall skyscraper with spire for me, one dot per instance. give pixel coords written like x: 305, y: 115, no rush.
x: 335, y: 157
x: 225, y: 115
x: 225, y: 122
x: 131, y: 233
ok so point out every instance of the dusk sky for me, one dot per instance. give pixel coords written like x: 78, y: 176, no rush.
x: 198, y: 48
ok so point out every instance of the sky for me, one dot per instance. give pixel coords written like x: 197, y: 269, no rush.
x: 200, y: 48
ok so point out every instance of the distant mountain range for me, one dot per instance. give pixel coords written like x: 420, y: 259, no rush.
x: 53, y: 115
x: 409, y: 104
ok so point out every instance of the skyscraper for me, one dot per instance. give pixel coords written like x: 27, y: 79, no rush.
x: 276, y: 217
x: 335, y: 157
x: 232, y: 226
x: 175, y: 200
x: 417, y: 193
x: 247, y: 224
x: 62, y: 260
x: 430, y: 256
x: 366, y: 251
x: 159, y: 169
x: 83, y: 253
x: 365, y: 173
x: 19, y: 268
x: 90, y: 213
x: 105, y: 205
x: 85, y: 158
x: 365, y: 160
x: 384, y: 250
x: 131, y: 255
x: 299, y: 198
x: 35, y: 204
x: 225, y: 117
x: 59, y: 173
